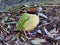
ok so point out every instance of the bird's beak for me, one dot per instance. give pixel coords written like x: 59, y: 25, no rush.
x: 42, y: 15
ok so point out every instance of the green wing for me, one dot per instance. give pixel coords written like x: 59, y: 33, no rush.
x: 25, y: 17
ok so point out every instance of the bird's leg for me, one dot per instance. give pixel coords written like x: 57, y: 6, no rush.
x: 27, y: 34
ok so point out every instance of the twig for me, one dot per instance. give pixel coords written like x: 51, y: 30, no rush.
x: 50, y: 5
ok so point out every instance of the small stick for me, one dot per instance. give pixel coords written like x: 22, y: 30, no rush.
x: 49, y: 5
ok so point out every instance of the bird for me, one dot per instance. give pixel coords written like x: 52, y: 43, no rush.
x: 28, y: 22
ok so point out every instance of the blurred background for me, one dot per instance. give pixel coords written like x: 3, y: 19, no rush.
x: 6, y: 3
